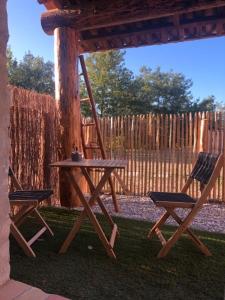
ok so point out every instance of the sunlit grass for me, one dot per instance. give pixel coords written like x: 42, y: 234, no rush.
x: 87, y: 273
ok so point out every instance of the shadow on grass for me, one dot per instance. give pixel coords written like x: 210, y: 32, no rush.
x: 137, y: 274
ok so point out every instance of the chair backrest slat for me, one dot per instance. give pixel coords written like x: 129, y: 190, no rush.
x: 204, y: 167
x: 211, y: 182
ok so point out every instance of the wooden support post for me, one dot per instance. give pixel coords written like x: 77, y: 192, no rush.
x: 67, y: 95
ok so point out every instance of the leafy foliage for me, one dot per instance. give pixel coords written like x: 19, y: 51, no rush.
x: 111, y: 82
x: 207, y: 104
x: 115, y: 88
x: 31, y: 73
x: 162, y: 92
x: 117, y: 91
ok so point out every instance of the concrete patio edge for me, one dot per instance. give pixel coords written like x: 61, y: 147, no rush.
x: 15, y: 290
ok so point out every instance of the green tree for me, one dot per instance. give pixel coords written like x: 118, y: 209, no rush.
x: 111, y: 82
x: 115, y: 89
x: 206, y: 104
x: 31, y: 73
x: 162, y: 92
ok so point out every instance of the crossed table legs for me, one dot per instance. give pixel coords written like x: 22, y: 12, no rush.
x: 87, y: 211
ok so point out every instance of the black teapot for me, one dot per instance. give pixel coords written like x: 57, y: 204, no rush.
x: 76, y: 155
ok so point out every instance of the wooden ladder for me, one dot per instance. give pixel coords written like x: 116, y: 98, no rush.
x: 99, y: 146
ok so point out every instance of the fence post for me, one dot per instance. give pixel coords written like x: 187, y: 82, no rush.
x: 203, y: 138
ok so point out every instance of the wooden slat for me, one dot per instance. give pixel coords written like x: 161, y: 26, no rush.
x: 182, y: 152
x: 36, y: 236
x: 154, y: 152
x: 149, y: 144
x: 146, y: 162
x: 169, y: 185
x: 165, y: 164
x: 161, y: 127
x: 113, y: 235
x: 160, y: 236
x: 157, y: 153
x: 91, y: 163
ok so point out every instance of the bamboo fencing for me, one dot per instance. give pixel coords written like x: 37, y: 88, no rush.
x: 34, y: 124
x: 160, y: 149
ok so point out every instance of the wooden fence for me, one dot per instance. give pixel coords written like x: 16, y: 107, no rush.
x: 34, y: 138
x: 160, y: 149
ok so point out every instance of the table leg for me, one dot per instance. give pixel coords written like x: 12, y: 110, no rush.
x: 89, y: 212
x: 73, y: 232
x: 100, y: 203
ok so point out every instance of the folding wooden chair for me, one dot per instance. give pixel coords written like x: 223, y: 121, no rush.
x: 206, y: 170
x: 28, y: 202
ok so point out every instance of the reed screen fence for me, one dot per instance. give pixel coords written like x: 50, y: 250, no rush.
x: 34, y: 124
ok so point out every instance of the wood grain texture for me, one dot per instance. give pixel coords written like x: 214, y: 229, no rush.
x: 100, y: 14
x: 91, y: 163
x: 120, y: 24
x: 67, y: 97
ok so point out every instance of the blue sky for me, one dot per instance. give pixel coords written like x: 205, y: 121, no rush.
x: 203, y: 61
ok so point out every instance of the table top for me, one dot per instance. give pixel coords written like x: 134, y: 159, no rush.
x: 91, y: 163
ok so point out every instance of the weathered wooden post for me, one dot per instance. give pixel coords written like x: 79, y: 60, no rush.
x: 4, y: 150
x: 67, y: 95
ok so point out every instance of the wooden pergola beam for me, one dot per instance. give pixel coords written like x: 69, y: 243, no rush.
x: 88, y: 18
x: 158, y: 35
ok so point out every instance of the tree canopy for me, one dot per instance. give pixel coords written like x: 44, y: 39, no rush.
x: 162, y: 92
x: 31, y: 73
x: 117, y: 91
x: 111, y: 82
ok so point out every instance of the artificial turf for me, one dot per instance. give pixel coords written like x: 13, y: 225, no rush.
x: 86, y: 272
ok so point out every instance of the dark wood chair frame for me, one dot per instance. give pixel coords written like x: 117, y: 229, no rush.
x: 27, y: 207
x: 185, y: 223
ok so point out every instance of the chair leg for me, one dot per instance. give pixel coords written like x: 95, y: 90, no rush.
x: 159, y: 223
x: 180, y: 230
x: 20, y: 217
x: 170, y: 242
x: 191, y: 235
x: 21, y: 240
x: 42, y: 221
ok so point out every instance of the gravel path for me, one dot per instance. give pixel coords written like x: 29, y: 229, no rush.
x: 210, y: 218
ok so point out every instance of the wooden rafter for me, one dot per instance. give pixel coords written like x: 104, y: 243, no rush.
x: 104, y: 25
x: 119, y: 12
x: 154, y: 37
x: 165, y: 31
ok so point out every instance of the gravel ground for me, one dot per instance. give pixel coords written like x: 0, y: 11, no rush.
x: 210, y: 218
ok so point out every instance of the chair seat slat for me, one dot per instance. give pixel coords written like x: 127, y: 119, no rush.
x: 171, y: 197
x: 30, y: 195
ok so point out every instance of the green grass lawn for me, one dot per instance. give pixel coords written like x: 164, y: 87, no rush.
x: 137, y: 274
